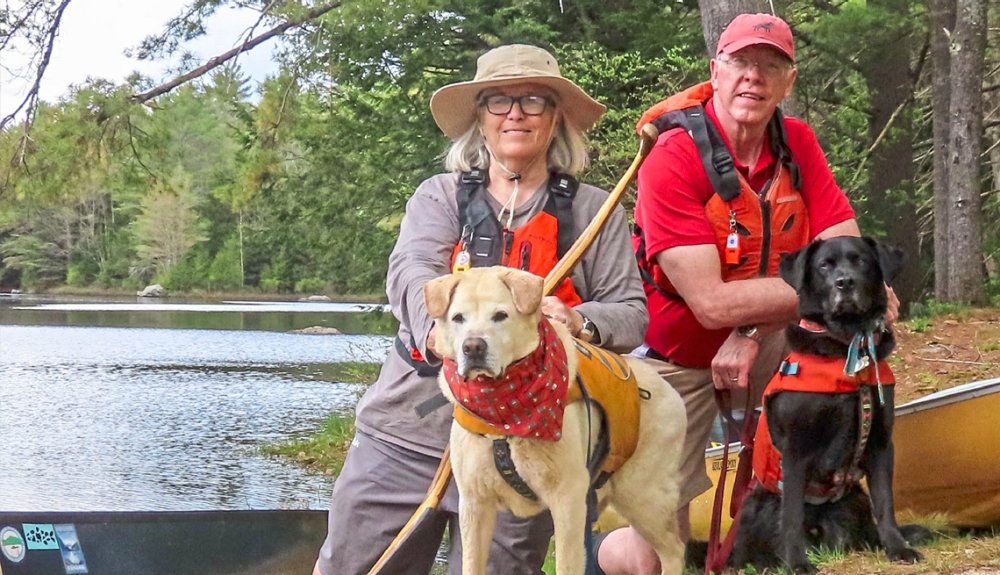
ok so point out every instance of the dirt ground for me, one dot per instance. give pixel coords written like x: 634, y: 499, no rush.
x: 945, y: 351
x: 935, y: 354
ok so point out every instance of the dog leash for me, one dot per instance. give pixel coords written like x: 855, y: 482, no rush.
x: 719, y: 551
x: 861, y: 354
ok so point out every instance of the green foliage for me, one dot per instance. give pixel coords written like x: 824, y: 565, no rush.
x: 301, y: 187
x: 323, y: 452
x: 919, y: 324
x: 310, y: 285
x: 932, y: 308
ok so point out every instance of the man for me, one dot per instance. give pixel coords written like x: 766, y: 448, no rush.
x: 710, y: 234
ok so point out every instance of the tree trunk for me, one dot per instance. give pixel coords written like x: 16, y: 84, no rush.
x: 716, y: 15
x: 886, y: 69
x: 991, y: 115
x: 965, y: 246
x: 942, y: 20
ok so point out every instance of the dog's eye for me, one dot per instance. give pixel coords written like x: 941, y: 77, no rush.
x: 457, y: 318
x: 500, y: 316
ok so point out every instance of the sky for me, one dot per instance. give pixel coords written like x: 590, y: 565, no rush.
x: 95, y: 34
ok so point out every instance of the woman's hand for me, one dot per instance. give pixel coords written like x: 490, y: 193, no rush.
x: 554, y: 309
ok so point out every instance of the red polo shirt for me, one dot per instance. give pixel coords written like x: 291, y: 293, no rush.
x: 670, y: 209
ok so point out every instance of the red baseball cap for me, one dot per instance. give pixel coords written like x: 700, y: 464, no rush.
x: 753, y: 29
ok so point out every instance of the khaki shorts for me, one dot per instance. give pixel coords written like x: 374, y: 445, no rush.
x: 696, y: 389
x: 376, y: 493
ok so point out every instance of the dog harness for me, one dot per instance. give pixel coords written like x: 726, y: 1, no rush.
x: 816, y: 374
x: 752, y: 230
x: 511, y: 405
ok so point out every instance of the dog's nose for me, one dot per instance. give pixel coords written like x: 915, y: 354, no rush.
x: 474, y: 348
x: 844, y: 283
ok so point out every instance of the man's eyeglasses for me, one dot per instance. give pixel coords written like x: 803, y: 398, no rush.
x: 531, y: 105
x: 769, y: 68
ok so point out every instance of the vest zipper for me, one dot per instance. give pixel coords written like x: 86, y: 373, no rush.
x: 765, y: 240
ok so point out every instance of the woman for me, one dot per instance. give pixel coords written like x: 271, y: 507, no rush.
x: 509, y: 198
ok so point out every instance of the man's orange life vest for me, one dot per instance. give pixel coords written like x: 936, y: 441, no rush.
x: 608, y: 381
x: 752, y: 230
x: 813, y: 374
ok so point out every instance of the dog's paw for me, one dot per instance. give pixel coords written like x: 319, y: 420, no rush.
x: 905, y: 555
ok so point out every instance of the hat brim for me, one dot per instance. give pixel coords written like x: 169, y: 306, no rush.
x: 454, y: 106
x: 746, y: 42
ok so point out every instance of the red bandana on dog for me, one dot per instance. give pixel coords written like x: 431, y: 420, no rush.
x: 528, y: 399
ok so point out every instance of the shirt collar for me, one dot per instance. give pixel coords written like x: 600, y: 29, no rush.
x: 766, y: 161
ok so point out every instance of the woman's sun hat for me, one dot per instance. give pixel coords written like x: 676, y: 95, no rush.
x: 454, y: 106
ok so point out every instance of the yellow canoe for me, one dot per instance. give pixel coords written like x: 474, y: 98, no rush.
x: 947, y: 459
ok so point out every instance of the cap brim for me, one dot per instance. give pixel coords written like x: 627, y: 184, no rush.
x: 454, y: 106
x: 745, y: 42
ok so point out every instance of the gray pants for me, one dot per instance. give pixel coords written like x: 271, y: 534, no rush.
x: 376, y: 493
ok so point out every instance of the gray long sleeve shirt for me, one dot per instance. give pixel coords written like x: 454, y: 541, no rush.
x: 607, y: 280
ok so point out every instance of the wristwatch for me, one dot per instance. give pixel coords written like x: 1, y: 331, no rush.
x: 588, y: 331
x: 749, y: 332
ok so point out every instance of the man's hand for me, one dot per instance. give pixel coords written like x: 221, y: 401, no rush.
x: 731, y: 364
x: 892, y: 306
x: 554, y: 309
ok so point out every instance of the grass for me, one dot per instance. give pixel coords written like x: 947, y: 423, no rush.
x: 323, y: 452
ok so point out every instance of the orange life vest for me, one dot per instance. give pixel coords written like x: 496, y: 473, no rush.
x: 534, y: 247
x: 813, y: 374
x: 752, y: 230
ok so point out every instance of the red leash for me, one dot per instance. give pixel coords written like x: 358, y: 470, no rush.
x: 718, y: 552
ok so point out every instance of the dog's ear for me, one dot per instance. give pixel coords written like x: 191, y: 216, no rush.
x: 437, y: 294
x: 526, y: 288
x: 793, y: 266
x: 890, y: 259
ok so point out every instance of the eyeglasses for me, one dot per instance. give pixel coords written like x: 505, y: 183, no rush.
x: 531, y: 105
x: 769, y: 68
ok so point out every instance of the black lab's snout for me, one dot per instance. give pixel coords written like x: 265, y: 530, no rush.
x: 845, y: 282
x: 474, y: 348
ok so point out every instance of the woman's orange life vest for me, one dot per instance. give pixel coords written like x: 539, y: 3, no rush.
x: 813, y: 374
x: 534, y: 247
x: 752, y: 230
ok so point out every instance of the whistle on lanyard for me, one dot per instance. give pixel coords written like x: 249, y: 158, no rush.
x: 463, y: 260
x: 732, y: 242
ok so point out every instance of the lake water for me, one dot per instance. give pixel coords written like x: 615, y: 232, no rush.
x: 132, y: 405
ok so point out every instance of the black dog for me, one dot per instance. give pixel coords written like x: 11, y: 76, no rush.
x: 820, y: 435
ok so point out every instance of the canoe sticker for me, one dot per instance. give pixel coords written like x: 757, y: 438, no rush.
x: 69, y: 545
x: 40, y: 535
x: 12, y: 544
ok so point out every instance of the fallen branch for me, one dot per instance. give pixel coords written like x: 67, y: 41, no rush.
x: 225, y: 57
x: 953, y: 361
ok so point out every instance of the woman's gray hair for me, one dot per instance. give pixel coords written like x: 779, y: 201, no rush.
x: 567, y: 152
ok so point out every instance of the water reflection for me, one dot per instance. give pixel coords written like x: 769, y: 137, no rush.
x: 112, y: 418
